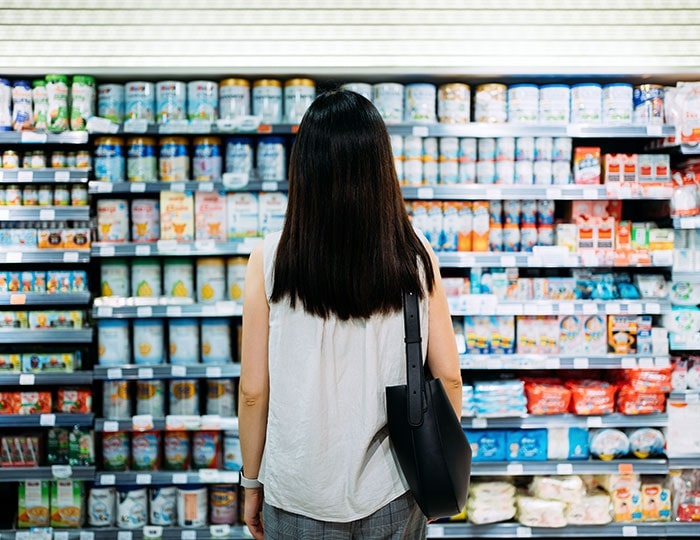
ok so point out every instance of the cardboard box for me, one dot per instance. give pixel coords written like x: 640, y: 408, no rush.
x: 273, y: 209
x: 587, y: 165
x: 660, y: 239
x: 605, y: 233
x: 67, y: 503
x: 622, y: 334
x: 50, y: 362
x: 210, y: 216
x: 176, y: 216
x: 242, y: 211
x: 586, y: 233
x: 33, y: 504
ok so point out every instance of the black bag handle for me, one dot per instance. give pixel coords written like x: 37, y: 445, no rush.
x: 414, y: 359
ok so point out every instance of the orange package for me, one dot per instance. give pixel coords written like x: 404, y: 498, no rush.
x: 34, y: 402
x: 74, y: 400
x: 591, y: 397
x: 9, y: 402
x: 648, y: 380
x: 629, y: 401
x: 547, y: 396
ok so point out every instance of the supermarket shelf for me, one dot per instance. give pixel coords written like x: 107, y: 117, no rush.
x: 12, y: 336
x: 615, y: 420
x: 46, y: 420
x: 692, y: 222
x: 17, y: 474
x: 688, y: 396
x: 40, y: 137
x: 48, y: 256
x: 482, y: 304
x: 45, y: 213
x: 240, y: 246
x: 146, y: 308
x: 515, y: 530
x: 183, y: 127
x: 44, y: 299
x: 685, y: 149
x: 199, y: 371
x: 45, y: 176
x: 470, y: 192
x: 475, y: 129
x: 684, y: 463
x: 684, y: 342
x: 98, y: 188
x: 541, y: 259
x: 691, y: 276
x: 547, y: 361
x: 640, y: 466
x: 172, y: 422
x: 49, y: 378
x: 213, y: 532
x: 204, y: 476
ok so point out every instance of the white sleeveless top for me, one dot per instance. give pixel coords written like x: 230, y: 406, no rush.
x: 327, y: 453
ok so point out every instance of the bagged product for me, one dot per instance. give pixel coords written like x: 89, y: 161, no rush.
x: 567, y: 489
x: 534, y: 512
x: 591, y: 397
x: 608, y: 444
x: 592, y: 509
x: 547, y: 396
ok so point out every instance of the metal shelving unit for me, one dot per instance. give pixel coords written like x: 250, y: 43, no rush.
x: 12, y: 336
x: 44, y: 299
x: 204, y: 476
x: 47, y: 378
x: 692, y: 222
x: 615, y: 420
x: 165, y: 371
x: 43, y: 137
x: 487, y: 306
x: 18, y: 474
x: 213, y: 532
x: 144, y: 309
x: 98, y: 188
x: 531, y: 260
x: 529, y: 468
x: 544, y: 361
x: 515, y: 530
x: 167, y: 248
x: 171, y: 422
x: 45, y: 176
x: 44, y: 213
x: 684, y: 463
x: 50, y: 256
x: 46, y: 420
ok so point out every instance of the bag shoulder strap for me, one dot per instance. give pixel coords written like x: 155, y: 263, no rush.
x: 414, y: 359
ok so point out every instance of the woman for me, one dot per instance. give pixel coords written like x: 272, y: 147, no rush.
x: 323, y: 337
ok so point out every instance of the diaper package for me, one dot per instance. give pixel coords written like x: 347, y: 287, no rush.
x: 567, y: 489
x: 646, y: 442
x: 656, y: 502
x: 487, y: 444
x: 490, y: 502
x: 534, y: 512
x: 526, y: 445
x: 567, y: 443
x: 608, y: 444
x: 592, y: 509
x: 627, y: 505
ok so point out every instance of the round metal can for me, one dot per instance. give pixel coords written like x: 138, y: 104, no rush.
x: 511, y: 238
x: 114, y: 277
x: 109, y: 159
x: 298, y: 95
x: 174, y: 161
x: 561, y: 172
x: 22, y: 117
x: 140, y: 101
x: 178, y: 278
x: 490, y: 103
x: 203, y: 100
x: 239, y: 155
x: 420, y: 99
x: 116, y: 398
x: 207, y: 160
x: 528, y: 212
x: 495, y: 237
x: 216, y: 341
x: 524, y: 172
x: 523, y: 103
x: 101, y: 506
x: 617, y: 103
x: 78, y: 195
x: 132, y: 507
x: 485, y: 172
x: 223, y: 502
x: 10, y: 159
x: 544, y: 148
x: 192, y: 506
x: 57, y: 95
x: 149, y: 337
x: 511, y: 212
x: 113, y: 348
x: 232, y: 451
x: 110, y: 102
x: 364, y: 89
x: 648, y: 102
x: 528, y: 238
x: 505, y: 172
x: 145, y: 220
x: 83, y: 160
x: 267, y: 100
x: 542, y: 172
x: 487, y: 149
x: 271, y: 159
x: 82, y: 103
x: 388, y: 99
x: 525, y: 149
x: 141, y: 159
x: 235, y: 277
x: 496, y: 212
x: 234, y: 98
x: 220, y: 397
x: 545, y: 235
x: 183, y: 342
x: 505, y: 149
x: 171, y: 97
x: 453, y: 103
x: 467, y: 150
x: 211, y: 279
x: 562, y: 148
x: 176, y: 450
x: 146, y: 278
x: 206, y: 449
x: 545, y: 212
x: 116, y: 451
x: 586, y: 103
x: 163, y: 505
x: 184, y: 396
x: 145, y: 450
x: 555, y: 104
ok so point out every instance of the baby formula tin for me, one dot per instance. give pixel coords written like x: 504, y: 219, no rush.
x: 109, y: 159
x: 116, y: 400
x: 10, y: 159
x: 490, y: 103
x: 41, y: 104
x: 234, y: 98
x: 216, y: 341
x: 113, y: 347
x: 192, y: 506
x: 183, y: 341
x: 542, y: 172
x: 487, y: 149
x: 545, y: 212
x: 235, y: 277
x: 562, y: 149
x: 145, y: 451
x: 524, y: 172
x: 298, y: 95
x: 528, y: 238
x: 364, y: 89
x: 145, y: 220
x: 388, y: 99
x: 419, y: 104
x: 223, y: 502
x: 239, y: 155
x: 555, y: 104
x: 140, y: 101
x: 617, y: 103
x: 271, y: 159
x: 112, y: 220
x: 110, y: 102
x: 206, y: 449
x: 203, y: 100
x: 511, y: 238
x: 141, y: 163
x: 207, y: 160
x: 232, y: 451
x: 267, y: 100
x: 586, y: 103
x: 82, y: 105
x: 57, y: 95
x: 485, y: 172
x: 211, y: 279
x: 525, y: 149
x: 149, y: 336
x: 505, y: 149
x: 116, y: 451
x: 22, y: 117
x: 505, y: 172
x: 184, y: 396
x: 146, y: 278
x: 561, y: 172
x: 523, y: 103
x: 453, y: 103
x: 544, y: 148
x: 171, y: 97
x: 114, y: 277
x: 220, y: 397
x: 163, y: 505
x: 5, y: 105
x: 174, y: 161
x: 648, y: 102
x: 178, y: 278
x: 176, y: 450
x: 101, y: 506
x: 132, y: 507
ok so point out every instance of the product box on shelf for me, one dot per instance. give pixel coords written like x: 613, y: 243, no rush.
x: 243, y: 210
x: 13, y: 319
x: 33, y: 504
x: 10, y: 362
x: 526, y: 444
x: 587, y: 165
x: 622, y: 334
x: 487, y: 444
x: 176, y: 216
x: 56, y: 319
x: 273, y: 208
x: 67, y: 503
x: 210, y: 216
x: 50, y: 362
x: 19, y: 451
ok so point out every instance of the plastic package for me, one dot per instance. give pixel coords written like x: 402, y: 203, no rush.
x: 592, y: 509
x: 566, y: 443
x: 534, y: 512
x: 629, y: 401
x: 490, y: 502
x: 568, y: 489
x: 487, y: 444
x: 526, y: 444
x: 655, y: 380
x: 608, y: 444
x: 547, y: 397
x: 646, y: 442
x: 590, y: 396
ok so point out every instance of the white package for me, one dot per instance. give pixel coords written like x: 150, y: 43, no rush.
x: 484, y: 515
x: 683, y: 431
x: 593, y: 509
x: 567, y: 489
x: 534, y: 512
x: 496, y: 490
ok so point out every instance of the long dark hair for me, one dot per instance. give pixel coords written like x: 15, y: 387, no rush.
x: 347, y: 248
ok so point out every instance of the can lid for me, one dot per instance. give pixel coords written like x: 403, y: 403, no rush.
x: 544, y: 86
x: 299, y: 82
x: 207, y: 139
x: 267, y: 82
x: 234, y: 82
x: 109, y: 140
x: 54, y: 78
x: 173, y: 140
x: 4, y: 81
x: 141, y: 140
x: 618, y: 84
x: 523, y: 85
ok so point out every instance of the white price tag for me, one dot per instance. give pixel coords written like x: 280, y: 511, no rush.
x: 420, y: 131
x: 61, y: 176
x: 4, y: 214
x: 204, y: 245
x: 2, y: 175
x: 137, y: 187
x: 646, y: 362
x: 107, y: 479
x: 71, y: 256
x: 220, y: 531
x: 48, y: 420
x: 628, y: 362
x: 110, y: 426
x: 188, y: 535
x: 206, y: 186
x: 107, y: 251
x: 208, y: 475
x: 97, y: 124
x: 125, y: 535
x: 235, y: 180
x: 133, y: 125
x: 173, y: 311
x: 514, y: 468
x: 654, y: 130
x: 590, y: 193
x: 26, y: 379
x: 553, y: 193
x: 436, y: 531
x: 523, y: 532
x: 635, y: 308
x: 60, y: 535
x: 493, y: 193
x: 33, y: 137
x: 565, y: 468
x: 662, y: 361
x: 13, y: 256
x: 653, y: 308
x: 553, y: 363
x: 544, y: 309
x: 425, y: 193
x: 178, y: 371
x: 61, y: 471
x: 177, y: 186
x: 166, y: 245
x: 179, y: 478
x: 144, y: 311
x: 480, y: 423
x: 270, y: 185
x: 145, y: 373
x: 594, y: 422
x: 102, y: 187
x: 612, y: 309
x: 692, y: 397
x: 209, y: 311
x: 104, y: 311
x: 590, y: 308
x: 142, y: 251
x: 567, y: 308
x: 142, y: 422
x: 581, y: 363
x: 47, y: 214
x: 213, y: 372
x: 507, y: 260
x: 114, y: 373
x: 152, y: 532
x: 87, y: 535
x: 629, y: 530
x: 143, y: 479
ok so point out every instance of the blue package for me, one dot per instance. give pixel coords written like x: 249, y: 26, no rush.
x: 567, y: 443
x: 487, y: 444
x: 475, y: 280
x: 526, y: 444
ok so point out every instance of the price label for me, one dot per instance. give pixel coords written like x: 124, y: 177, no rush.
x: 662, y: 361
x: 144, y: 311
x: 565, y: 468
x: 654, y: 130
x: 166, y: 245
x: 142, y: 251
x: 204, y: 245
x: 514, y: 468
x: 173, y: 311
x: 208, y: 475
x: 145, y: 373
x: 152, y: 532
x: 87, y: 535
x: 567, y: 308
x: 107, y: 479
x: 60, y: 535
x: 107, y: 251
x: 523, y: 532
x: 692, y: 397
x: 134, y: 125
x: 220, y: 531
x: 594, y: 422
x: 630, y: 530
x: 142, y: 422
x: 479, y: 423
x: 26, y: 379
x: 143, y: 479
x: 177, y: 186
x: 635, y: 308
x: 110, y: 426
x: 97, y: 124
x: 544, y: 309
x: 33, y: 137
x: 590, y: 193
x: 61, y: 471
x: 420, y: 131
x: 206, y: 186
x: 209, y: 310
x: 612, y: 309
x: 213, y: 372
x: 581, y: 363
x: 179, y: 478
x: 137, y: 187
x: 628, y: 363
x: 47, y: 214
x: 102, y: 187
x: 590, y: 308
x: 653, y: 308
x: 235, y: 180
x: 494, y: 363
x: 61, y: 176
x: 71, y: 257
x: 270, y: 185
x: 114, y: 373
x: 507, y: 260
x: 553, y: 363
x: 178, y: 371
x: 646, y: 362
x: 125, y: 535
x: 13, y: 256
x: 425, y: 193
x: 188, y: 535
x: 553, y: 193
x: 104, y: 311
x: 48, y: 420
x: 493, y: 193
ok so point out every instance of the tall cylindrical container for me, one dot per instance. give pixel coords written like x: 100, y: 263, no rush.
x: 148, y: 340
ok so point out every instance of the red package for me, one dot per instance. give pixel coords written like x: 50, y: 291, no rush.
x: 9, y: 402
x: 591, y: 397
x: 648, y: 380
x: 34, y: 402
x: 547, y: 397
x: 629, y: 401
x: 72, y: 400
